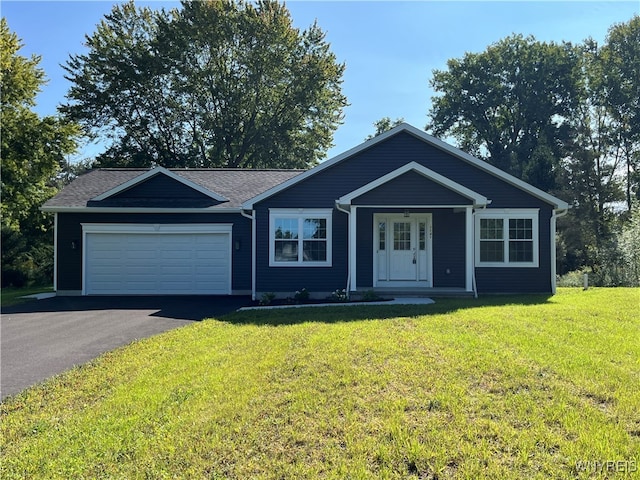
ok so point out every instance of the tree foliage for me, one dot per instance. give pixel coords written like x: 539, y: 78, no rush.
x: 383, y: 125
x: 565, y: 118
x: 620, y: 57
x: 506, y: 104
x: 212, y: 84
x: 32, y: 150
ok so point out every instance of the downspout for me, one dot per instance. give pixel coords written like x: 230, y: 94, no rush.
x: 252, y: 217
x: 552, y: 230
x: 55, y: 252
x: 348, y: 212
x: 473, y: 254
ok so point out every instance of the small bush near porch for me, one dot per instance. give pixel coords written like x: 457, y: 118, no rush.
x: 501, y: 387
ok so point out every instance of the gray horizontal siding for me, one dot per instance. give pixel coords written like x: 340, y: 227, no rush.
x: 521, y: 280
x: 290, y: 279
x: 157, y: 191
x: 321, y: 191
x: 411, y: 189
x: 70, y: 230
x: 448, y: 249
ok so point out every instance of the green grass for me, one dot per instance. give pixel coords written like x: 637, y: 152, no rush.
x: 11, y: 295
x: 501, y: 387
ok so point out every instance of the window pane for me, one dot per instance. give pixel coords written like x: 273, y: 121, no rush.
x: 492, y: 251
x: 286, y: 251
x: 286, y: 228
x: 520, y: 229
x: 314, y: 251
x: 521, y: 251
x: 315, y: 228
x: 491, y: 228
x: 402, y: 235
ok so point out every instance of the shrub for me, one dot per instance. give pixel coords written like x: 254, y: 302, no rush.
x: 301, y: 295
x: 370, y: 296
x: 24, y: 263
x: 267, y: 298
x: 340, y: 295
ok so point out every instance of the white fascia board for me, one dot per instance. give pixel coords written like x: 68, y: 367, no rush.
x: 157, y: 228
x: 137, y: 210
x: 478, y: 200
x: 156, y: 171
x: 430, y: 139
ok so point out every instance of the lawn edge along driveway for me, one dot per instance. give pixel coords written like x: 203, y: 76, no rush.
x: 43, y: 338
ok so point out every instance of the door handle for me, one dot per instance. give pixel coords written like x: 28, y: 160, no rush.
x: 414, y: 256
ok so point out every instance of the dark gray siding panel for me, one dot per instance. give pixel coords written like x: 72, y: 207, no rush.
x: 411, y: 189
x: 364, y: 256
x: 321, y: 191
x: 448, y: 249
x: 160, y: 186
x: 157, y: 191
x: 70, y: 230
x: 290, y: 279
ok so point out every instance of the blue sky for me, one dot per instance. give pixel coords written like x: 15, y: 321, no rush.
x: 390, y: 48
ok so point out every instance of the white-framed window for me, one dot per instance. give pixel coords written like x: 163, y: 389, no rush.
x: 507, y: 238
x: 300, y: 237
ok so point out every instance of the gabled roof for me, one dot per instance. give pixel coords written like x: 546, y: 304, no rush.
x: 478, y: 200
x: 152, y: 173
x: 425, y: 137
x: 233, y: 184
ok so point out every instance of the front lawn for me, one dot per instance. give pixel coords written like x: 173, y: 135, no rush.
x: 12, y: 296
x: 501, y: 387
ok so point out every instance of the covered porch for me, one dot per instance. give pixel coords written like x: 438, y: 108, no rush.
x: 411, y: 232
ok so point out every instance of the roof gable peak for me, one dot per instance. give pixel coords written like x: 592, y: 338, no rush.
x: 152, y: 172
x: 428, y: 139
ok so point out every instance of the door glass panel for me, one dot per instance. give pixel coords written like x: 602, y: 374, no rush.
x: 402, y: 235
x: 422, y: 235
x: 382, y: 236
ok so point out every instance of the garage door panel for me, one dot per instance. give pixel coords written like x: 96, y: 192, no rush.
x: 162, y: 263
x: 147, y: 253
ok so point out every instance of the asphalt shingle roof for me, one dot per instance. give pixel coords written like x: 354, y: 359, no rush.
x: 235, y: 184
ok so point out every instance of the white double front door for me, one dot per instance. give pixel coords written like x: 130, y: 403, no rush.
x: 402, y: 250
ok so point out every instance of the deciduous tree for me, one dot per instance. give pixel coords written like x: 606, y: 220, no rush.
x: 383, y: 125
x: 212, y: 84
x: 32, y: 150
x: 507, y: 104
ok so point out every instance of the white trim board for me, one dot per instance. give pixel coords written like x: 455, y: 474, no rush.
x: 214, y: 209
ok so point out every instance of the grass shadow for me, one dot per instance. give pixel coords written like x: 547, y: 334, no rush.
x: 338, y: 314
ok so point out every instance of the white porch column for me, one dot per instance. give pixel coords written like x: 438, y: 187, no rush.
x: 469, y: 260
x: 552, y: 240
x: 55, y: 252
x: 352, y: 247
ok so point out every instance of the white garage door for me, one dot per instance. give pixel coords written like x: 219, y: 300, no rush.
x: 163, y: 261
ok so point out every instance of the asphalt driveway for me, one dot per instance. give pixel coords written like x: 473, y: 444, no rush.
x: 42, y: 338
